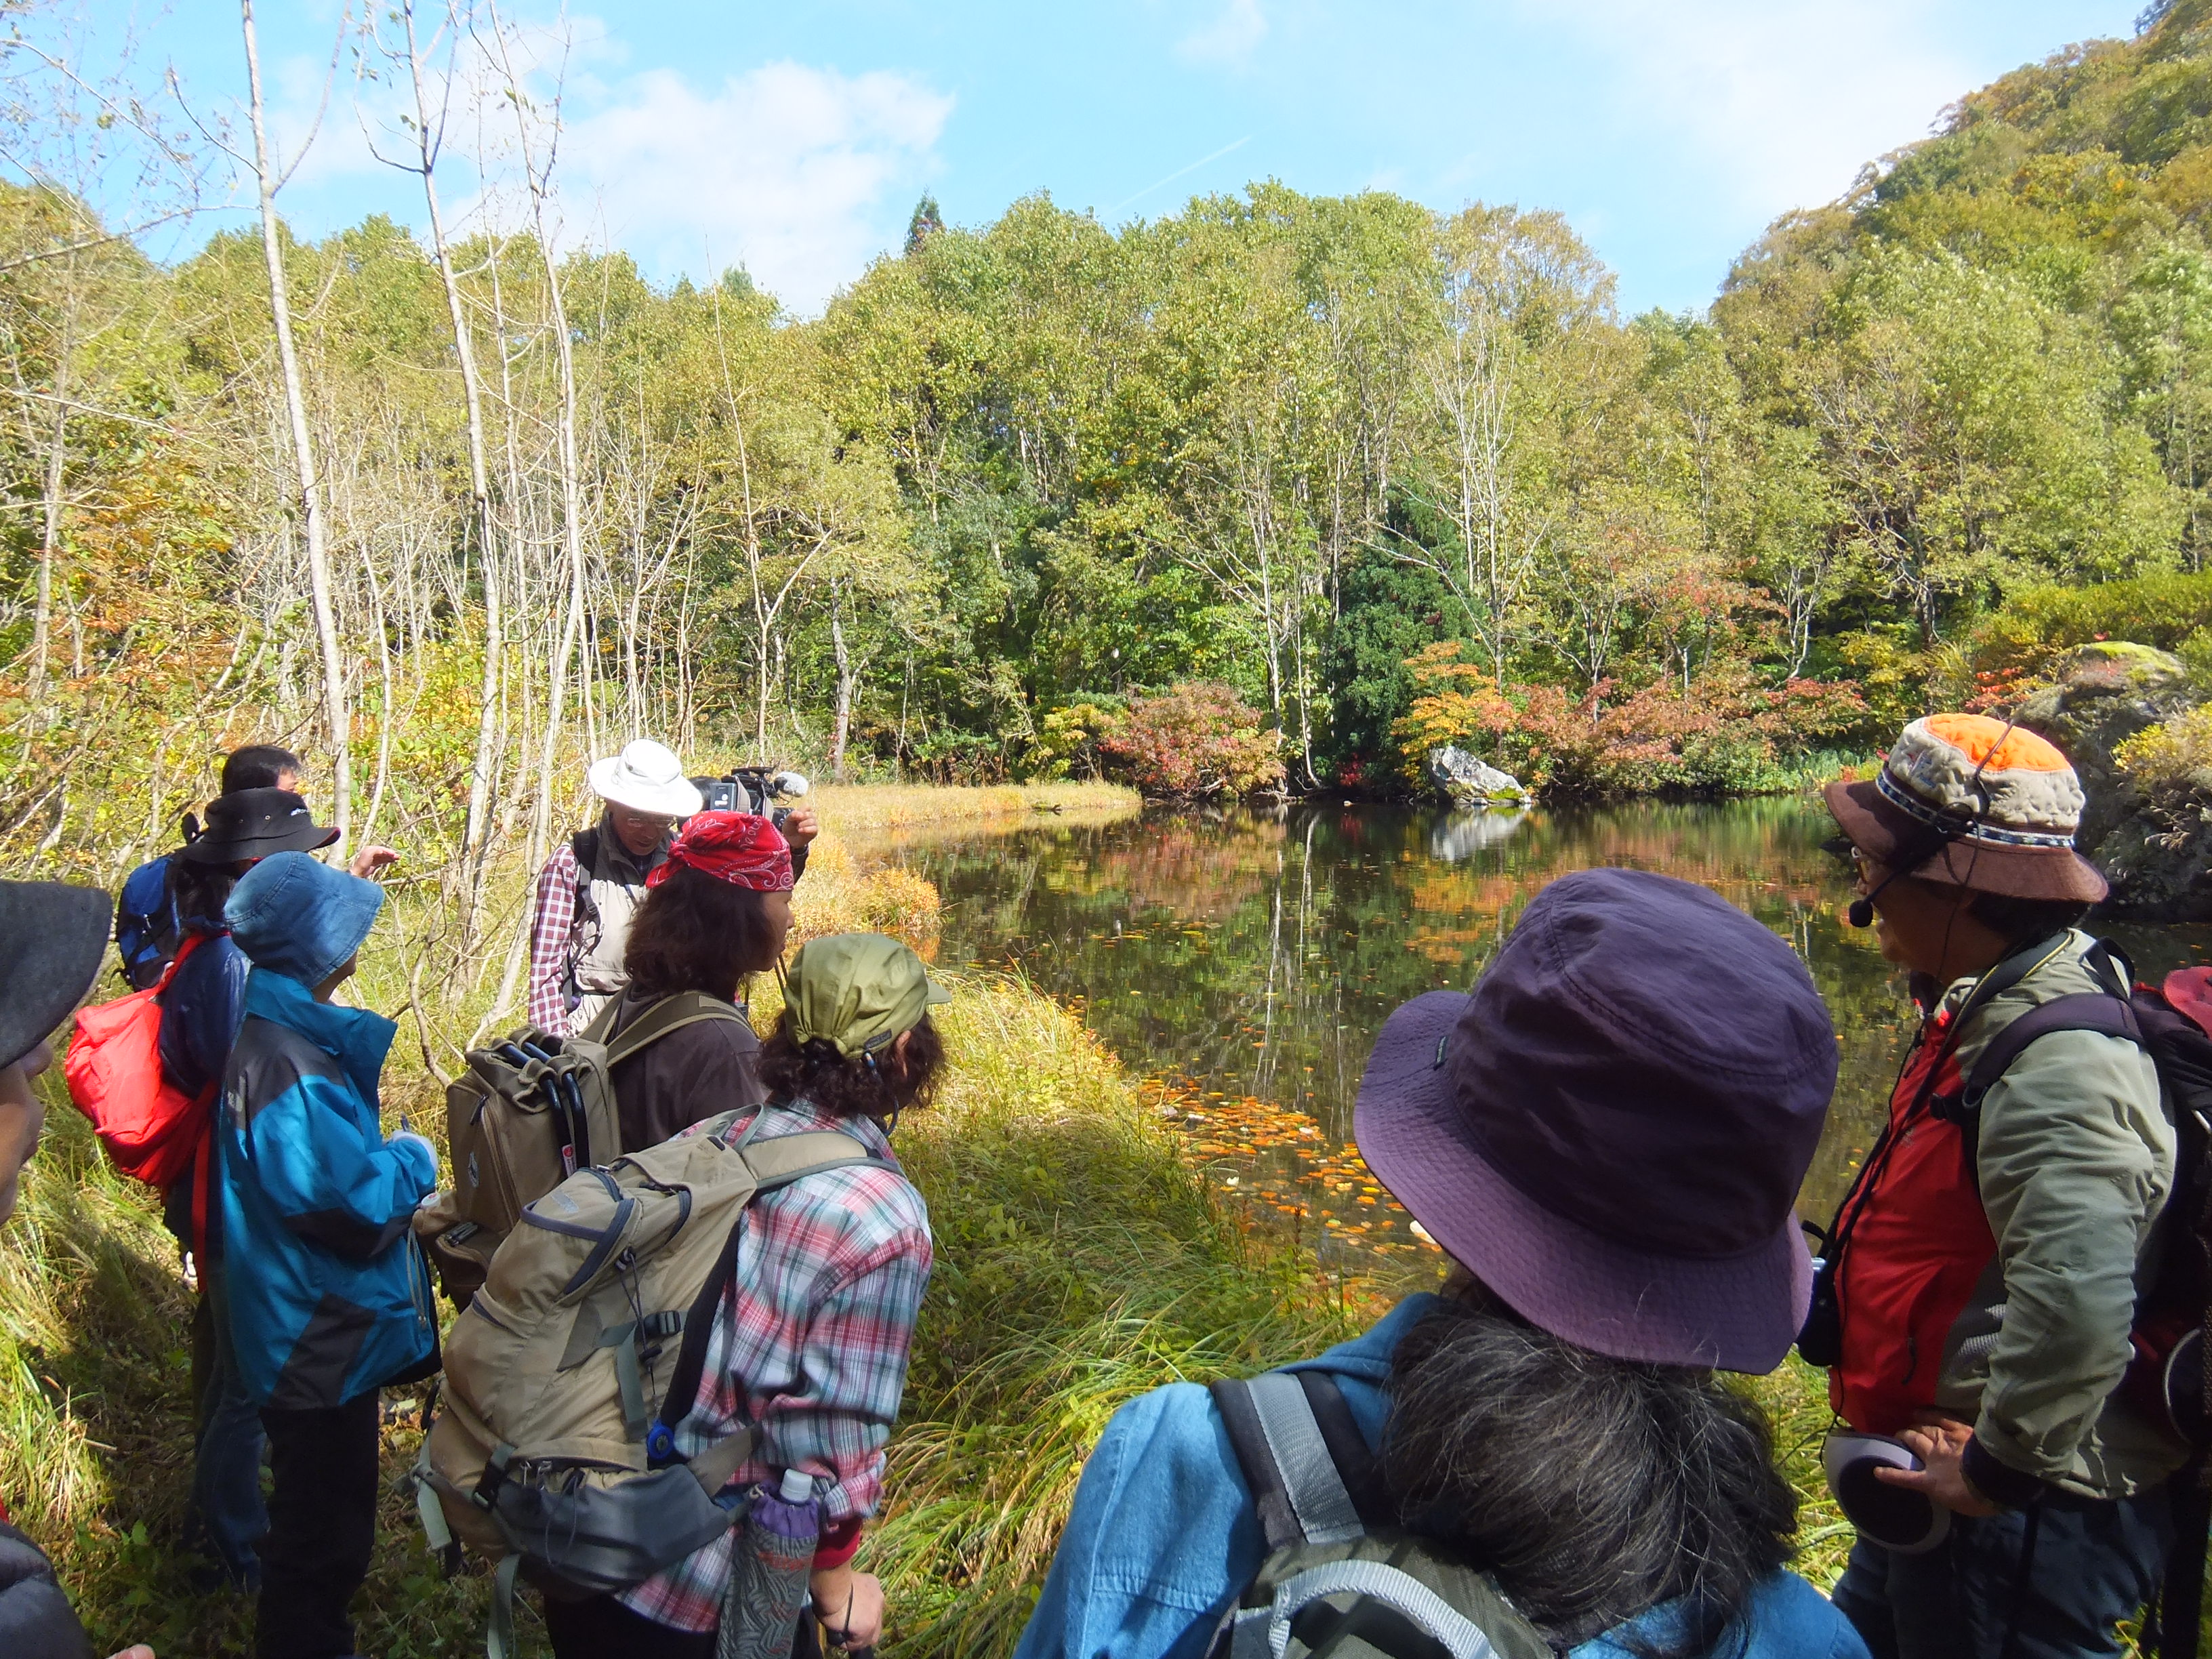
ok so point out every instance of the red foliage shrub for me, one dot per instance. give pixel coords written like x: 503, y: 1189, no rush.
x: 1193, y: 741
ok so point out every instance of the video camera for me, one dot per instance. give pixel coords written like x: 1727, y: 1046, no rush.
x: 750, y: 789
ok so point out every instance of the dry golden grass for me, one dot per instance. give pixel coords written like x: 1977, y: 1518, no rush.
x: 847, y: 808
x: 838, y: 895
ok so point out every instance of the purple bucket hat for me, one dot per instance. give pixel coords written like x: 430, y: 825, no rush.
x: 1609, y: 1131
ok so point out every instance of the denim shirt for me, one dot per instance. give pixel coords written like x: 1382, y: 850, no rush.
x: 1163, y: 1537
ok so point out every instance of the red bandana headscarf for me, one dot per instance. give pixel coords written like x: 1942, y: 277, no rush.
x: 742, y: 848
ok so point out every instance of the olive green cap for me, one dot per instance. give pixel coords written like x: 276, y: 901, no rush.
x: 856, y: 990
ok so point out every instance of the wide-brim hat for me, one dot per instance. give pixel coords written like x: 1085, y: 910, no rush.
x: 296, y: 916
x: 1611, y: 1130
x: 1973, y: 802
x: 53, y: 936
x: 254, y: 823
x: 646, y: 777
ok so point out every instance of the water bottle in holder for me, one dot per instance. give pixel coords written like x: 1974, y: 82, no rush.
x: 771, y: 1562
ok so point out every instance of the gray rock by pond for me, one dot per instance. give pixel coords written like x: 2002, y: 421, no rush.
x: 1468, y: 780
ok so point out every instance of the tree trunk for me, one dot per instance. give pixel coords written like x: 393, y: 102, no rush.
x: 475, y: 842
x: 846, y: 677
x: 303, y: 453
x: 50, y: 537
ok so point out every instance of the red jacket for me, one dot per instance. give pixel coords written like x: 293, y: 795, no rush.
x: 1920, y: 1243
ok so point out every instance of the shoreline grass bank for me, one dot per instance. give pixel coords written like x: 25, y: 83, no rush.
x: 848, y: 809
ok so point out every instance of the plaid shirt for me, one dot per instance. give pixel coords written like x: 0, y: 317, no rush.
x: 809, y: 1348
x: 549, y: 928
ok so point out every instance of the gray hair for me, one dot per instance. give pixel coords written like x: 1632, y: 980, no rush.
x: 1592, y: 1488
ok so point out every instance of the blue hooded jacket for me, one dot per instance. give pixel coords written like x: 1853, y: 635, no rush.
x: 329, y: 1297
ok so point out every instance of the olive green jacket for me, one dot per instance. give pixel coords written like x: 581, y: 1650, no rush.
x: 2076, y: 1159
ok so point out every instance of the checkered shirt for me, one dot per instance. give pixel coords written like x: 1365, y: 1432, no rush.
x: 549, y: 930
x: 809, y: 1348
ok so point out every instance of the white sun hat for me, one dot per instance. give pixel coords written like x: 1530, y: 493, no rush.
x: 646, y: 777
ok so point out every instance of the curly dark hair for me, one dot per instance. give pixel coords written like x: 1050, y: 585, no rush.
x: 1593, y: 1488
x: 818, y: 1074
x: 697, y: 933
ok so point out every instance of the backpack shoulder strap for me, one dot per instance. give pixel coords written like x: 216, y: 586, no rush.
x: 2085, y: 1011
x: 669, y: 1014
x: 787, y: 1159
x: 1357, y: 1465
x: 1279, y: 1445
x: 585, y: 845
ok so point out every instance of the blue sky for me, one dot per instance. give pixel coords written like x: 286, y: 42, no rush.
x: 795, y: 139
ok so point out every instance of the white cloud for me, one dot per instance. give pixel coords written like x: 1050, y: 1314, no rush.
x: 800, y: 173
x: 1230, y: 38
x: 792, y: 171
x: 1783, y: 100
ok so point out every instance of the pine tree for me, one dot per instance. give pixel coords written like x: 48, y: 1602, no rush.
x: 925, y: 223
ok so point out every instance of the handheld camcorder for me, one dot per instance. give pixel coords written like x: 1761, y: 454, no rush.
x: 751, y: 789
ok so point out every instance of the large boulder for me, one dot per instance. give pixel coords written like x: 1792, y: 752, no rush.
x: 2159, y: 858
x: 2103, y: 695
x: 1467, y: 781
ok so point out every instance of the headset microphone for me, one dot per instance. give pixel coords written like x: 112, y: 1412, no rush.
x: 1860, y: 914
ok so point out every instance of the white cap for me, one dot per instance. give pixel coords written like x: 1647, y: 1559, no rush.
x: 646, y: 777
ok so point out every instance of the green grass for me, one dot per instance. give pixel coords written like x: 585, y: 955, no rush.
x: 1079, y: 1261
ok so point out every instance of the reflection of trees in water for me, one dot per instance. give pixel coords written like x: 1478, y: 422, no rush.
x: 1199, y: 869
x: 1258, y: 952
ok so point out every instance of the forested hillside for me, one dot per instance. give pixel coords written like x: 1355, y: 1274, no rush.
x: 1393, y: 476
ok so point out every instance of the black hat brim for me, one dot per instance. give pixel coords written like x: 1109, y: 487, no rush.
x: 214, y: 848
x: 53, y: 936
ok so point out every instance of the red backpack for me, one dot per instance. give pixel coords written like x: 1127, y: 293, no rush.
x: 151, y: 1128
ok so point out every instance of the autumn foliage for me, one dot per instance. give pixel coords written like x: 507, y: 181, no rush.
x: 1191, y: 742
x: 1723, y: 732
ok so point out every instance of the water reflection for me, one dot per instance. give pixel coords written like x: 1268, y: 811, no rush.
x: 1257, y: 953
x: 1462, y: 834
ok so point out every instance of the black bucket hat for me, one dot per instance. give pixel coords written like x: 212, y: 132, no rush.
x: 52, y: 938
x: 1610, y: 1130
x: 252, y: 824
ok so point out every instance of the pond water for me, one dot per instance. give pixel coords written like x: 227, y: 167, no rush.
x: 1246, y: 959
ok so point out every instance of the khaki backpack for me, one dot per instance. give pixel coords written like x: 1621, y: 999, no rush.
x: 530, y: 1112
x: 569, y: 1373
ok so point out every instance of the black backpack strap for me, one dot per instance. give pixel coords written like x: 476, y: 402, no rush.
x: 2085, y: 1011
x: 1357, y: 1465
x: 1300, y: 1497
